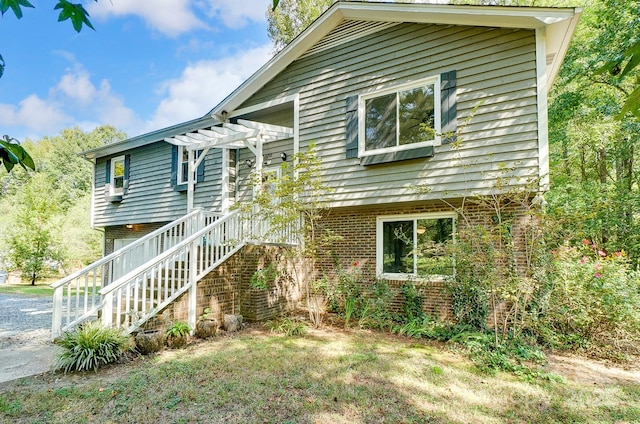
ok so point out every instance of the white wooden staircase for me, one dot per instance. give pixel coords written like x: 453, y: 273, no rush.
x: 133, y: 284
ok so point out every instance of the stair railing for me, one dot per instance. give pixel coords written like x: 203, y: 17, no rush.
x: 76, y: 298
x: 139, y: 295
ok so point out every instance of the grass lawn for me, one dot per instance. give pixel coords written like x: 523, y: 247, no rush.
x: 326, y: 376
x: 26, y: 289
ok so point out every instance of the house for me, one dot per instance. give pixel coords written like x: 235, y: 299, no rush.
x: 393, y: 95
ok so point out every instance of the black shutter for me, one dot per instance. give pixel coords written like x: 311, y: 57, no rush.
x: 351, y: 127
x: 174, y: 165
x: 127, y: 165
x: 107, y: 179
x: 449, y: 108
x: 200, y: 170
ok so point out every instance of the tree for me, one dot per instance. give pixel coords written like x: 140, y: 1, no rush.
x: 33, y: 248
x: 594, y: 140
x: 630, y: 59
x: 54, y: 199
x: 288, y: 18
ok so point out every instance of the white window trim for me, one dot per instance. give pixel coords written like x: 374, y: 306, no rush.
x: 408, y: 217
x: 265, y: 171
x: 180, y: 180
x: 113, y: 191
x: 437, y: 141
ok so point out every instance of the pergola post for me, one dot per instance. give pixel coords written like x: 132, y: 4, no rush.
x: 190, y: 179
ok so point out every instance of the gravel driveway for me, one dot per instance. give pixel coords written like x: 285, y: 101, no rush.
x: 25, y: 336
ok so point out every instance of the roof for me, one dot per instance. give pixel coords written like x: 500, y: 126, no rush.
x: 558, y: 24
x: 142, y: 140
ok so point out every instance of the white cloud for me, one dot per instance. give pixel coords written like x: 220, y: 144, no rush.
x: 74, y: 100
x: 170, y: 17
x: 77, y: 85
x: 35, y: 113
x: 237, y: 14
x: 204, y: 84
x: 87, y: 99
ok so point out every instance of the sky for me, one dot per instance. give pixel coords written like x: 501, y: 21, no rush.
x: 148, y: 65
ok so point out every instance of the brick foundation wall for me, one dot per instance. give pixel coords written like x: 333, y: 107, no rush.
x: 122, y: 232
x: 227, y: 289
x: 356, y: 246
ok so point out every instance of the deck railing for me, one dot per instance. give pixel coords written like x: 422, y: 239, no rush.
x: 76, y: 298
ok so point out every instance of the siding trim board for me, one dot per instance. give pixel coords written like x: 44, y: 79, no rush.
x: 543, y: 119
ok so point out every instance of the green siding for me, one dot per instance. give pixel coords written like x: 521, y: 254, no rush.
x: 496, y: 71
x: 151, y: 197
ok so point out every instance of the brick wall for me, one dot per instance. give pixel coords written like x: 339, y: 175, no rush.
x: 356, y: 246
x: 227, y: 289
x: 122, y: 232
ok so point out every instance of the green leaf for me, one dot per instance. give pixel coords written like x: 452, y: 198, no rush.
x: 75, y: 12
x: 14, y: 5
x: 12, y: 153
x: 275, y: 4
x: 632, y: 104
x: 634, y: 53
x: 1, y: 66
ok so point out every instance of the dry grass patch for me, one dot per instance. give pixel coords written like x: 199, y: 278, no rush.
x: 324, y: 376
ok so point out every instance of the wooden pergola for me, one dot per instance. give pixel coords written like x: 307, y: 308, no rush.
x: 249, y: 134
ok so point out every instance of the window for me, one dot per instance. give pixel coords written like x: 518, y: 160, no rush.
x: 401, y: 118
x: 183, y: 165
x: 180, y: 168
x: 270, y: 178
x: 117, y: 176
x: 415, y: 245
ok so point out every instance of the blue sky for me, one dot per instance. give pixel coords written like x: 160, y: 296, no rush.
x: 149, y: 64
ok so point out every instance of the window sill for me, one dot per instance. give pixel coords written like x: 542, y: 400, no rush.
x: 412, y: 277
x: 115, y: 198
x: 181, y: 187
x: 401, y: 155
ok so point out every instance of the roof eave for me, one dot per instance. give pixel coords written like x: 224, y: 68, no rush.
x: 149, y: 138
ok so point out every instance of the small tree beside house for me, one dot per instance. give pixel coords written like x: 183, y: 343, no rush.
x: 32, y: 249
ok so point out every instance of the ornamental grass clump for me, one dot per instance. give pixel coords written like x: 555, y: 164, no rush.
x: 92, y: 346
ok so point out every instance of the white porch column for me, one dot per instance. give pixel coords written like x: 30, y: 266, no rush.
x: 190, y: 179
x: 193, y: 286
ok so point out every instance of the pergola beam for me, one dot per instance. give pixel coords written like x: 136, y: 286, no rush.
x: 249, y: 134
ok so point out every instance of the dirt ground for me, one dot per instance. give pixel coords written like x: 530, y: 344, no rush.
x: 592, y: 371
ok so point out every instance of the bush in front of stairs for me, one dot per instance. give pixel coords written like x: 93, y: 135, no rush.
x: 91, y: 346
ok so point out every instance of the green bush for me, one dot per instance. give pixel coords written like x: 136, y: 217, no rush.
x: 92, y: 346
x: 287, y: 326
x: 413, y: 303
x: 179, y: 329
x: 592, y: 299
x: 375, y: 312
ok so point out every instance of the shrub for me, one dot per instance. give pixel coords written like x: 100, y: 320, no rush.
x: 92, y: 346
x: 287, y: 326
x: 179, y: 329
x: 375, y: 312
x: 591, y: 298
x: 413, y: 302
